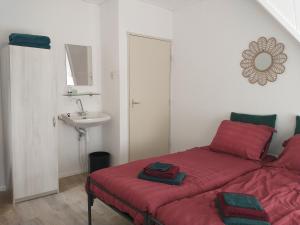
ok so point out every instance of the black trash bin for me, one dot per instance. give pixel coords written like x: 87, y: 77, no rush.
x: 98, y: 160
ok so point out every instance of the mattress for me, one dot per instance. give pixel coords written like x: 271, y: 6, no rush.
x: 205, y: 169
x: 277, y: 189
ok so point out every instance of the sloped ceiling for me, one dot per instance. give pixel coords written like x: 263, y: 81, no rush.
x: 286, y: 12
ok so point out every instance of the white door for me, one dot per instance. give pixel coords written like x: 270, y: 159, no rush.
x: 35, y: 160
x: 149, y: 91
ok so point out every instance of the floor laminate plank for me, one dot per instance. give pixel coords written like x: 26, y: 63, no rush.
x: 69, y: 207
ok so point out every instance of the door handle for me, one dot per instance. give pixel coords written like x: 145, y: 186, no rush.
x: 134, y: 102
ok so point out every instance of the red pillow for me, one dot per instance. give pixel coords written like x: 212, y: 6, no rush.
x: 242, y: 139
x: 290, y: 157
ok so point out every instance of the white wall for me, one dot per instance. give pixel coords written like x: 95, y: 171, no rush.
x: 141, y: 18
x: 110, y: 76
x: 2, y: 161
x: 118, y: 19
x: 207, y: 84
x: 65, y: 21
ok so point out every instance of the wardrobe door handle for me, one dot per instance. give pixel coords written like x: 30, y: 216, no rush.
x: 54, y: 121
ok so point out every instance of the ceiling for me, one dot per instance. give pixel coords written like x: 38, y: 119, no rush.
x: 94, y: 1
x: 166, y: 4
x: 170, y: 4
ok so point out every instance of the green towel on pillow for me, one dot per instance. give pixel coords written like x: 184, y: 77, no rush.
x: 297, y: 130
x: 267, y: 120
x: 237, y: 220
x: 242, y: 201
x: 176, y: 181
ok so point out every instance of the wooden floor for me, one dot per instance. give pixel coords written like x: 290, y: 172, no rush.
x: 69, y: 207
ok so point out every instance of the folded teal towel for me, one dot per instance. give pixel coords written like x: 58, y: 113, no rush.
x: 160, y: 166
x: 237, y: 220
x: 31, y: 45
x: 242, y: 201
x: 176, y: 181
x: 16, y: 38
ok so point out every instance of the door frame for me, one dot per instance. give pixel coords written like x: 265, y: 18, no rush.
x: 128, y: 82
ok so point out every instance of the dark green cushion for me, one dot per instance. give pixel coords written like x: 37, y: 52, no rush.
x: 297, y: 130
x: 268, y: 120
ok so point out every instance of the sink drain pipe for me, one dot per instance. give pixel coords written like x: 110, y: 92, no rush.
x: 83, y: 154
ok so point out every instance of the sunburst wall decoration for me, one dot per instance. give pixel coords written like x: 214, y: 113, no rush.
x: 263, y: 61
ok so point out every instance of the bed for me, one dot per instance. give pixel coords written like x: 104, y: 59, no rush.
x: 276, y: 185
x: 237, y: 149
x: 278, y: 189
x: 206, y: 170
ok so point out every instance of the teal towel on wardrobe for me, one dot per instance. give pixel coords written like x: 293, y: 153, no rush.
x: 29, y: 38
x: 36, y: 41
x: 31, y: 45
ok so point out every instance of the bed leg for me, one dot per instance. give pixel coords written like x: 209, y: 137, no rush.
x: 153, y: 221
x: 90, y: 204
x: 147, y: 219
x: 90, y: 201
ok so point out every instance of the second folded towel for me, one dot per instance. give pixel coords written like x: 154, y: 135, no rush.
x: 241, y: 209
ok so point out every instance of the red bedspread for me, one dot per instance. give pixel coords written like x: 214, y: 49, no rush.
x: 277, y: 189
x: 205, y: 171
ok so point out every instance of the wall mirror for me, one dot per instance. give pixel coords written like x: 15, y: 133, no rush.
x: 79, y: 65
x: 263, y: 61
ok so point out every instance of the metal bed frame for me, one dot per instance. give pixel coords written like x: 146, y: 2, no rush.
x: 148, y: 219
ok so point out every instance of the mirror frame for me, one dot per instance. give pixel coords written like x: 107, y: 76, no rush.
x: 90, y: 76
x: 263, y: 45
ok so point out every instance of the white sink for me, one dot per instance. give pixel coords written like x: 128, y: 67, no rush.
x: 90, y: 119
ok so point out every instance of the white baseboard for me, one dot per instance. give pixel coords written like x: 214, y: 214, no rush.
x: 2, y: 188
x: 71, y: 173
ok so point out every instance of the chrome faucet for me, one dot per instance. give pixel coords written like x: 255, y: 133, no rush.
x: 82, y: 112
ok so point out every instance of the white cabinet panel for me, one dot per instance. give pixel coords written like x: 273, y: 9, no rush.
x: 33, y: 132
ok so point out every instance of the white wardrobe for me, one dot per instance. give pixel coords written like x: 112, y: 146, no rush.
x: 29, y: 121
